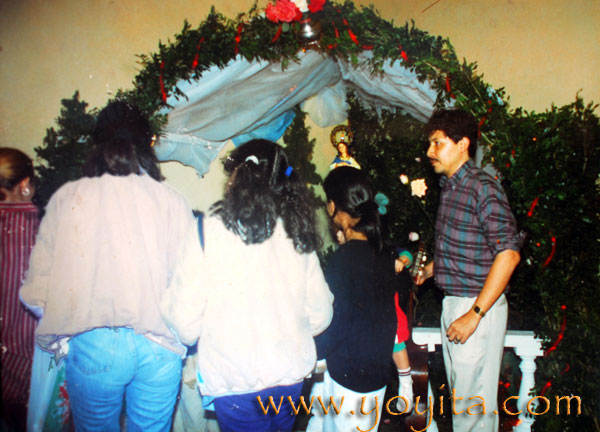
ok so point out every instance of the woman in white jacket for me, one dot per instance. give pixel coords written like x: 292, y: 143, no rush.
x: 260, y: 295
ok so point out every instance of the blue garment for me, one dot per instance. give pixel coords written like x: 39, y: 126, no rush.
x: 106, y: 364
x: 243, y: 412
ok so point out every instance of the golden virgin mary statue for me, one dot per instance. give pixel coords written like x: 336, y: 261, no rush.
x: 341, y: 138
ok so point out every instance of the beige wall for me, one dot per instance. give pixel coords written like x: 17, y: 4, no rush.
x: 540, y: 51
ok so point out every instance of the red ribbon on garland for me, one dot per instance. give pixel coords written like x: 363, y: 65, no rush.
x: 350, y: 32
x: 337, y: 37
x: 483, y: 119
x: 403, y: 53
x: 352, y: 36
x: 533, y: 206
x: 551, y: 252
x: 238, y: 38
x: 548, y: 384
x: 448, y: 88
x: 195, y: 62
x: 559, y: 338
x: 276, y: 34
x: 561, y: 332
x: 162, y: 82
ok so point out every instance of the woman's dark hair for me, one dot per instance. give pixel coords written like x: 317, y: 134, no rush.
x: 262, y: 188
x: 15, y: 166
x: 121, y: 143
x: 350, y: 190
x: 456, y: 124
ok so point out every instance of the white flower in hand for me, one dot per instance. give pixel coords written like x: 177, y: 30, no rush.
x: 418, y: 187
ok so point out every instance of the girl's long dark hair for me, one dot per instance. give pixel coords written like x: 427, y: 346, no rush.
x: 262, y: 188
x: 122, y: 143
x: 350, y: 190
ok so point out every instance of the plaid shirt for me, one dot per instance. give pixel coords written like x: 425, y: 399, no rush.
x: 474, y: 223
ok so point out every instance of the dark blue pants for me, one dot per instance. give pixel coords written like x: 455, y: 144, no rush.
x: 243, y: 413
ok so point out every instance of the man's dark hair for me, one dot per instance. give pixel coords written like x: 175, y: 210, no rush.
x: 456, y: 124
x: 121, y: 143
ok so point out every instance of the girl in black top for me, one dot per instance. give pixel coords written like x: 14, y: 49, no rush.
x: 358, y: 345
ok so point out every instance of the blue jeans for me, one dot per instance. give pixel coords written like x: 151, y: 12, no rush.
x: 243, y: 413
x: 105, y: 365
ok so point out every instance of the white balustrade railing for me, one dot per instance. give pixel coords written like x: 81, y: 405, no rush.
x: 525, y: 345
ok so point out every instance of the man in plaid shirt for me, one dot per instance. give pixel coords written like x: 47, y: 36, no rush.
x: 476, y: 251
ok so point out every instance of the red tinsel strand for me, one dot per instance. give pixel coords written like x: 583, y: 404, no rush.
x: 276, y: 34
x: 353, y: 36
x: 533, y: 206
x: 238, y: 38
x: 548, y: 384
x: 337, y: 36
x: 490, y: 106
x: 546, y: 387
x: 481, y: 122
x: 448, y: 88
x: 350, y: 32
x: 551, y: 252
x: 402, y: 53
x: 162, y: 82
x: 561, y: 332
x: 195, y: 62
x: 367, y: 47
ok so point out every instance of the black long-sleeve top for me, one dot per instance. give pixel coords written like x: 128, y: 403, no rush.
x: 359, y: 343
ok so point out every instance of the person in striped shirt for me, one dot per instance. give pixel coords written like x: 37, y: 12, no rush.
x: 476, y: 251
x: 18, y: 227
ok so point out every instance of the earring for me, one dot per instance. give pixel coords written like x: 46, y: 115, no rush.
x: 25, y: 191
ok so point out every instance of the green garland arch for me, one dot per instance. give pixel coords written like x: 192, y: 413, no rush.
x: 346, y: 31
x: 549, y: 164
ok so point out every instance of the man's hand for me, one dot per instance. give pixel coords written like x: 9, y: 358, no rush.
x: 462, y: 329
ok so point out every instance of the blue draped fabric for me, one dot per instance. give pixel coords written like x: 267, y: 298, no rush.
x: 246, y: 100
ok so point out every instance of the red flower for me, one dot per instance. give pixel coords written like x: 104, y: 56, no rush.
x: 283, y: 10
x: 271, y: 13
x: 316, y: 5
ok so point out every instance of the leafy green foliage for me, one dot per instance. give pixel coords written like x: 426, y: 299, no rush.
x: 550, y: 163
x: 65, y: 149
x: 299, y: 149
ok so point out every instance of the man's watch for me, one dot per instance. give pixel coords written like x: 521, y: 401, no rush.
x: 478, y: 311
